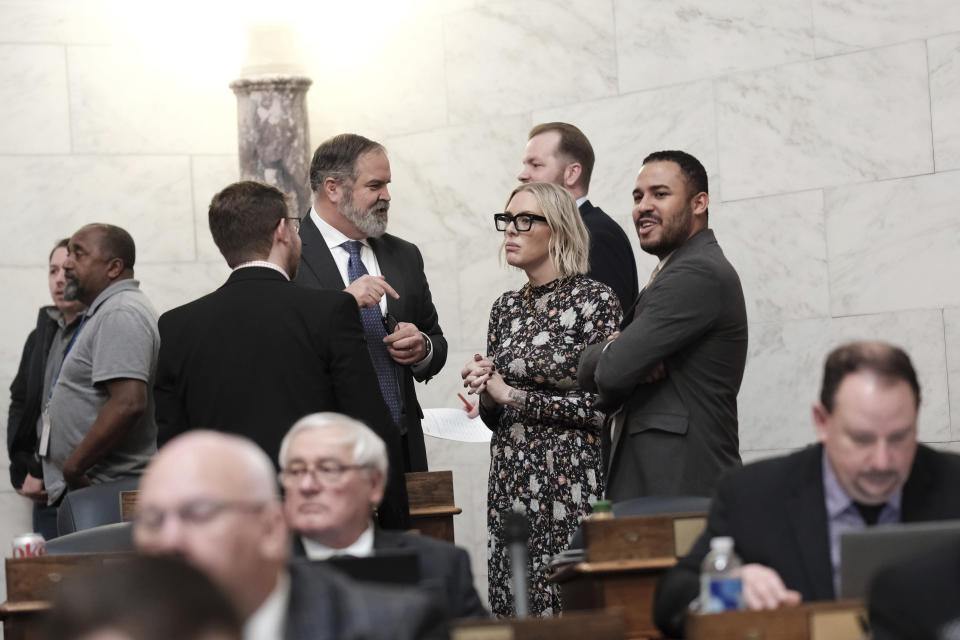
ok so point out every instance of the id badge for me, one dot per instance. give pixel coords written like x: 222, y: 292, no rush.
x: 44, y: 433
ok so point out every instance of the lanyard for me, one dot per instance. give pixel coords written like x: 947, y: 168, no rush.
x: 66, y: 353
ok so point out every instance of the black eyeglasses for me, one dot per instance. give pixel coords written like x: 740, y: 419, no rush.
x: 521, y: 221
x: 389, y: 323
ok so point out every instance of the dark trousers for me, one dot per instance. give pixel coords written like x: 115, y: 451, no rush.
x: 45, y: 520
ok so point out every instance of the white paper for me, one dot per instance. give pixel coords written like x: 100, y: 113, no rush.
x: 453, y: 424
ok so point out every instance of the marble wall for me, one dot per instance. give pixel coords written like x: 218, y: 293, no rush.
x: 828, y: 127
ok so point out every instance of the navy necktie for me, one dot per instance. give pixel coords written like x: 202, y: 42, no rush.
x: 375, y: 332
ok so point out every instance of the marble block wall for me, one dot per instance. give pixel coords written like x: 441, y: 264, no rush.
x: 828, y: 128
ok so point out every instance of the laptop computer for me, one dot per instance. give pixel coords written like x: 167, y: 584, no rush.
x: 864, y: 552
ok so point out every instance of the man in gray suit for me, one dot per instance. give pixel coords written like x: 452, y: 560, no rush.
x: 670, y: 379
x: 213, y: 498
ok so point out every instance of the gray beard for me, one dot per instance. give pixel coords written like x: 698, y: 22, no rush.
x: 371, y: 222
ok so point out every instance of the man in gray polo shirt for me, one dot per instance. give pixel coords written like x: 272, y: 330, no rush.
x: 99, y: 421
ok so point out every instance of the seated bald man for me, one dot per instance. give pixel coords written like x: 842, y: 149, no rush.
x: 333, y: 470
x: 213, y: 498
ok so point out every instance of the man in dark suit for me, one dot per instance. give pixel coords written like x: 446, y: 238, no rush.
x: 786, y: 515
x: 558, y: 152
x: 212, y: 498
x: 670, y: 380
x: 257, y: 354
x: 346, y: 247
x: 333, y: 470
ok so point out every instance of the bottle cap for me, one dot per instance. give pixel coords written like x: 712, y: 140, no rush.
x: 601, y: 506
x: 721, y: 543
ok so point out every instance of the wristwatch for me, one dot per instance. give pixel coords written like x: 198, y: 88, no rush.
x: 428, y: 344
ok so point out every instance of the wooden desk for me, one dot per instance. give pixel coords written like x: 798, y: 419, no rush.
x: 431, y: 503
x: 32, y: 583
x: 843, y: 620
x: 625, y: 559
x: 597, y: 625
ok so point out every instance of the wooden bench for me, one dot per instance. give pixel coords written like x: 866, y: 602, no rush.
x: 431, y: 503
x: 625, y: 557
x: 843, y: 620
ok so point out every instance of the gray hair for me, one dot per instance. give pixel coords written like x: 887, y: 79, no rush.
x: 368, y: 447
x: 337, y: 158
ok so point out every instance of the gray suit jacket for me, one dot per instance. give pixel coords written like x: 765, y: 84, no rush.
x: 678, y: 433
x: 326, y: 605
x: 402, y: 266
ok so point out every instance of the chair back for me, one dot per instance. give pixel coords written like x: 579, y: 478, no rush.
x: 103, y: 539
x: 93, y: 506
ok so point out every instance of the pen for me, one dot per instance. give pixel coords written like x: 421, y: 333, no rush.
x: 465, y: 401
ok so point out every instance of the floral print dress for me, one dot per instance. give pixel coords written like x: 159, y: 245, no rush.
x: 544, y: 458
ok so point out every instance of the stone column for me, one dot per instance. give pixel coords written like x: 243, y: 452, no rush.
x: 274, y: 137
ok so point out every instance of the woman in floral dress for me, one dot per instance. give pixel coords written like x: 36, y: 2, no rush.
x: 545, y: 448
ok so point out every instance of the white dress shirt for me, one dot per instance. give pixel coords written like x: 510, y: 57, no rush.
x: 335, y: 239
x: 268, y: 622
x: 361, y: 548
x: 341, y: 256
x: 262, y: 263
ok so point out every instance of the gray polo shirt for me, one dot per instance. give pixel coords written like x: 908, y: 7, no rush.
x: 119, y: 339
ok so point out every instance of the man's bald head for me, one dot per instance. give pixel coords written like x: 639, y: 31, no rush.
x: 228, y: 465
x: 213, y: 498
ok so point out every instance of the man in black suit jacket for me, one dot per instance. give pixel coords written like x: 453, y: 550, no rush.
x: 671, y: 379
x: 349, y: 175
x: 332, y: 469
x: 212, y: 498
x: 786, y: 515
x: 259, y: 353
x: 558, y: 152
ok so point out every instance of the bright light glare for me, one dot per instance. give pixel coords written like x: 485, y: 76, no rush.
x: 204, y: 41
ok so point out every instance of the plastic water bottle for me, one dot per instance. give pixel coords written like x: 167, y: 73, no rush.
x: 720, y: 586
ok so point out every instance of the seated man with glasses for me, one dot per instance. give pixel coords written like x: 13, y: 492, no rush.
x: 333, y: 470
x: 213, y: 498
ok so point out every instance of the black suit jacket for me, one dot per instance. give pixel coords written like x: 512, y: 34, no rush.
x: 258, y: 354
x: 775, y: 512
x: 915, y: 599
x: 326, y: 605
x: 402, y: 266
x: 444, y: 569
x: 611, y: 257
x: 679, y: 433
x: 26, y: 398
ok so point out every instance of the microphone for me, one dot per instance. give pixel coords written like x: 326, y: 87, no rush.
x: 515, y: 534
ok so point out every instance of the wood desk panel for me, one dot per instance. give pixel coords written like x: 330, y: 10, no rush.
x: 604, y: 625
x: 626, y: 584
x: 844, y: 620
x: 32, y: 584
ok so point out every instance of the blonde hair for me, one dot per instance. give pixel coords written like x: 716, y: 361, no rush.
x: 569, y: 241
